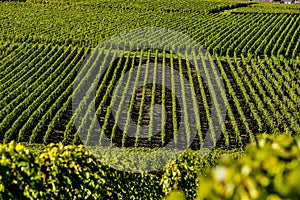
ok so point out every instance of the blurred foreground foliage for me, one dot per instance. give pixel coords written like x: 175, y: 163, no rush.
x: 57, y: 171
x: 269, y: 170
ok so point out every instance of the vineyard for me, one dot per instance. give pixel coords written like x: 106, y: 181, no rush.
x: 218, y: 29
x: 266, y: 8
x: 162, y: 88
x: 43, y: 46
x: 262, y: 95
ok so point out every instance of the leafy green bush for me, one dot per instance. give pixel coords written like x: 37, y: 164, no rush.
x: 56, y: 171
x: 269, y: 170
x: 182, y: 174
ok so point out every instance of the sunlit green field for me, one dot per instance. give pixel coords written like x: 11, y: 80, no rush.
x: 248, y: 82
